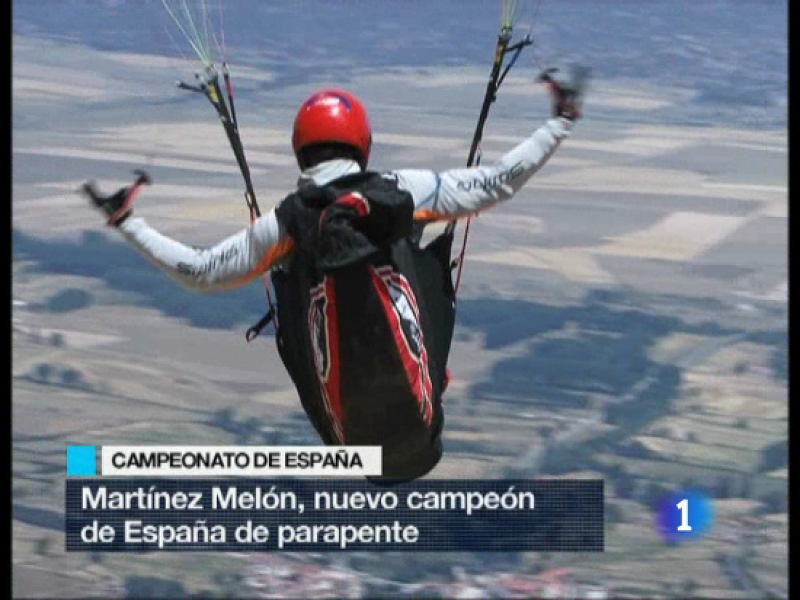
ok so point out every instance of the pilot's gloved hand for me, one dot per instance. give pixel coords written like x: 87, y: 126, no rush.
x: 118, y: 206
x: 567, y: 90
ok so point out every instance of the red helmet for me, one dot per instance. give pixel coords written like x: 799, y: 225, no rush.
x: 332, y: 116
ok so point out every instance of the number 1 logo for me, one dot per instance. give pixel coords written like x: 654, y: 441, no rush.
x: 684, y: 515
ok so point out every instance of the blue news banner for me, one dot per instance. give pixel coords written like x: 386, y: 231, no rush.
x: 249, y: 515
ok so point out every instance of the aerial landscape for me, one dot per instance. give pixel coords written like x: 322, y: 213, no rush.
x: 624, y: 317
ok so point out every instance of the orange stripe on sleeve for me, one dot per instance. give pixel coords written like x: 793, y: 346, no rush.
x: 425, y: 215
x: 272, y: 256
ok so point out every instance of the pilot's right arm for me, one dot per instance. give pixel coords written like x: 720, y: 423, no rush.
x: 458, y: 193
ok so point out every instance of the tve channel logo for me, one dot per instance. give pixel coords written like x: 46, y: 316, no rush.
x: 684, y: 516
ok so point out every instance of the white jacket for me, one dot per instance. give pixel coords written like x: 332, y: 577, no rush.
x: 448, y: 195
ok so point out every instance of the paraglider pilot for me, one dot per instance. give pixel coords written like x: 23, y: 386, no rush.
x: 365, y: 315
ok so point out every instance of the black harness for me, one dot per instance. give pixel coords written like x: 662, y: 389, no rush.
x: 365, y: 320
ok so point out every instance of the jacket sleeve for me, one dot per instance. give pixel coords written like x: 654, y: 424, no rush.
x: 232, y: 262
x: 462, y: 192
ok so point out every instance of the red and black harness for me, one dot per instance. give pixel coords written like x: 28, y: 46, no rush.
x: 365, y: 319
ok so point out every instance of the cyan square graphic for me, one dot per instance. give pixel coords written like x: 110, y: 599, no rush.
x: 81, y: 460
